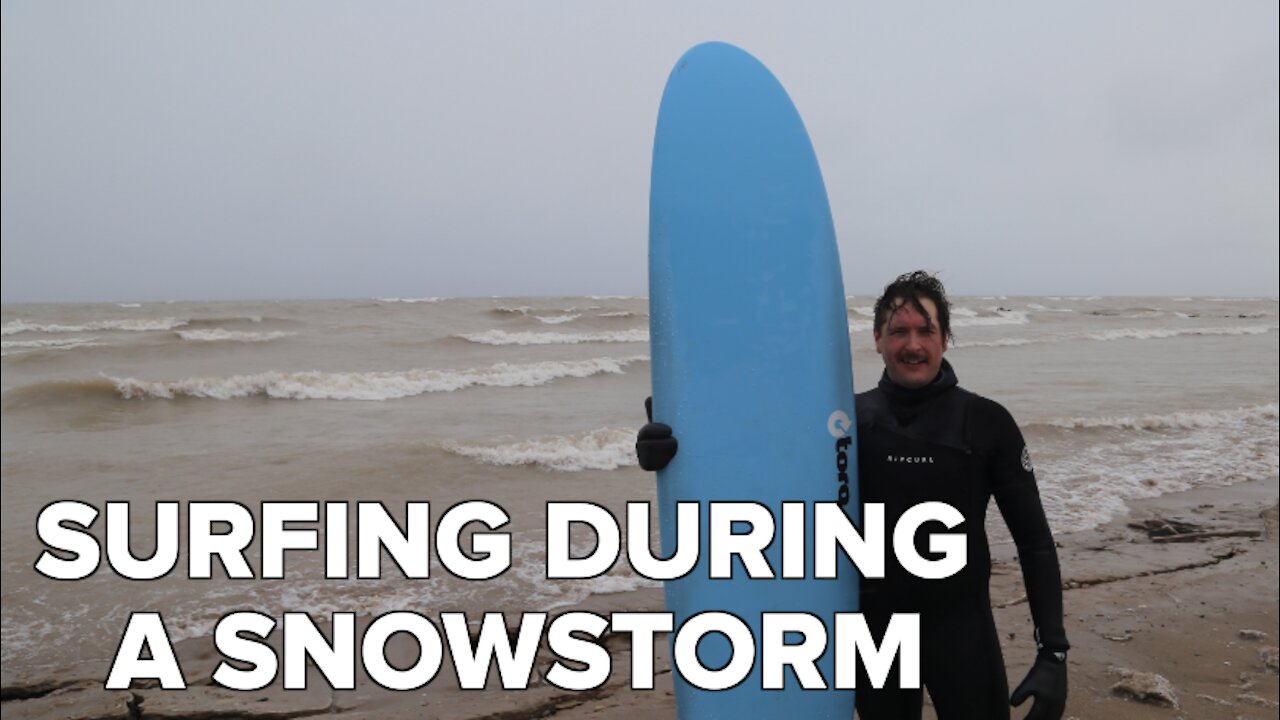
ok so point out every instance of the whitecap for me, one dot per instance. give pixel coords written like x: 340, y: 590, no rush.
x: 1001, y: 317
x: 1154, y: 455
x: 1002, y: 342
x: 857, y: 326
x: 1184, y: 420
x: 317, y: 385
x: 503, y: 337
x: 556, y: 319
x: 604, y: 449
x: 1161, y: 333
x: 219, y: 335
x: 14, y: 327
x: 21, y: 347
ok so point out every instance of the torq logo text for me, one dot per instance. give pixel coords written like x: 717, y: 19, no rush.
x: 839, y: 425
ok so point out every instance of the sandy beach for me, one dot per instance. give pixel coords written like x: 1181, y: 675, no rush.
x: 1171, y: 611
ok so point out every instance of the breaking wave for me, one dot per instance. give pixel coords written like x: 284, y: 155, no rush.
x: 18, y: 347
x: 556, y: 319
x: 1159, y: 333
x: 235, y: 319
x: 503, y: 337
x: 316, y: 385
x: 219, y: 335
x: 14, y: 327
x: 1186, y: 420
x: 860, y: 325
x: 1122, y: 334
x: 1086, y: 481
x: 1003, y: 342
x: 605, y: 449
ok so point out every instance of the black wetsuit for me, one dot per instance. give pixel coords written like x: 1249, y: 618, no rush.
x: 943, y: 443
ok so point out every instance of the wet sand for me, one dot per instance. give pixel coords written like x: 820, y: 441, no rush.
x: 1171, y: 612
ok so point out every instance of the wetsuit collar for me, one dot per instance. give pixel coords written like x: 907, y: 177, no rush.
x: 945, y: 380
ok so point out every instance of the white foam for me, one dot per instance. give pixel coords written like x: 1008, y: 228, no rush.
x: 316, y: 385
x: 860, y: 325
x: 604, y: 449
x: 1002, y: 342
x: 1174, y: 421
x: 620, y: 314
x: 1001, y: 317
x: 220, y: 335
x: 1085, y: 484
x: 865, y: 310
x: 502, y: 337
x: 965, y: 312
x: 1122, y: 334
x: 613, y: 583
x: 129, y: 305
x: 54, y: 343
x: 21, y: 347
x: 556, y: 319
x: 411, y: 300
x: 1161, y: 333
x: 14, y: 327
x: 1041, y: 308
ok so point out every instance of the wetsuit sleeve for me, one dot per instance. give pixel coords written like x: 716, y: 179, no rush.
x: 1014, y: 486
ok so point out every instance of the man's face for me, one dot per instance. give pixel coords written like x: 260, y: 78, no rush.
x: 911, y: 344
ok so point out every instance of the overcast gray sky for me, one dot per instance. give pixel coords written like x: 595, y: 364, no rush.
x: 219, y: 150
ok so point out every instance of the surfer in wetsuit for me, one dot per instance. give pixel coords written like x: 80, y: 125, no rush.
x: 923, y: 438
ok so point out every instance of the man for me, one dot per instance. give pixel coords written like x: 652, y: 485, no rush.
x: 922, y: 438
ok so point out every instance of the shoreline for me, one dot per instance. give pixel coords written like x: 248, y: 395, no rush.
x: 1182, y: 587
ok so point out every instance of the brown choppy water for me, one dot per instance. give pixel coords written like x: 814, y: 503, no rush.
x: 520, y: 401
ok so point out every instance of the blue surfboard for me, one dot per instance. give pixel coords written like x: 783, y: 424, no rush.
x: 750, y: 355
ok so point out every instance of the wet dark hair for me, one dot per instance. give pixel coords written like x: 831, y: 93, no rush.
x: 909, y: 288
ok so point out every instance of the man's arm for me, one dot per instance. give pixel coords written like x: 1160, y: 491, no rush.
x: 1018, y: 497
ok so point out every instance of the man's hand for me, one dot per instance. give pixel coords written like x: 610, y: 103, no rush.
x: 1047, y: 681
x: 655, y: 445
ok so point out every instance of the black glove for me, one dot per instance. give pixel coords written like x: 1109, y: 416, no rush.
x: 1047, y: 681
x: 655, y: 445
